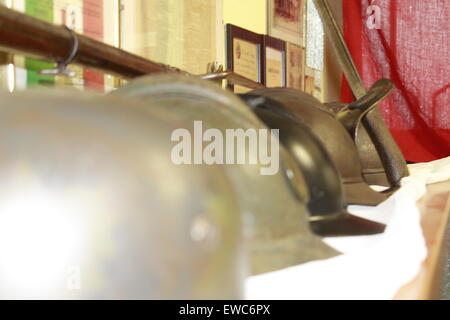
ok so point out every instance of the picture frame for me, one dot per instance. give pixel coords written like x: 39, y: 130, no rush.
x: 244, y: 55
x: 274, y: 66
x: 286, y: 20
x: 309, y: 81
x: 295, y: 66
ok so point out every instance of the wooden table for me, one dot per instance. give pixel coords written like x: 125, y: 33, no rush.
x: 435, y: 209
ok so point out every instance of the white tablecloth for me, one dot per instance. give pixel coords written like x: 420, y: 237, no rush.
x: 372, y: 267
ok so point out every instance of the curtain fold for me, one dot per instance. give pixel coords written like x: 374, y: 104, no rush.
x: 408, y: 42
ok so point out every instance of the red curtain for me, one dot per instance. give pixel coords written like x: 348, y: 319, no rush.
x: 406, y: 41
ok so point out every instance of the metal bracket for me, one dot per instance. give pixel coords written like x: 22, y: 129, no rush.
x: 62, y: 66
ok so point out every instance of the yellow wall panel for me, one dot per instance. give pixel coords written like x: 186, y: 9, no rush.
x: 248, y: 14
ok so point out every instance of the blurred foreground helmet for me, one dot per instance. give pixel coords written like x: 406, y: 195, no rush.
x: 327, y: 205
x: 334, y: 133
x: 92, y: 207
x: 274, y: 205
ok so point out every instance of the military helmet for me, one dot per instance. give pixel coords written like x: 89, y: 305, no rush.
x: 327, y: 204
x: 374, y: 172
x: 274, y: 206
x: 92, y: 207
x: 334, y: 137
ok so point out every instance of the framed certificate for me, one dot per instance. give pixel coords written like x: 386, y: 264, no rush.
x: 295, y: 66
x: 286, y: 20
x: 244, y: 52
x: 274, y: 67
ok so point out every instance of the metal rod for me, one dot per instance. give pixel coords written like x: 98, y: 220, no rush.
x: 22, y: 34
x: 343, y: 55
x: 233, y: 79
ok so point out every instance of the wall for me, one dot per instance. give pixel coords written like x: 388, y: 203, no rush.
x: 179, y: 33
x: 248, y: 14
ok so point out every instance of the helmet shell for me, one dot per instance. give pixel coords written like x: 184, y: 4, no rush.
x: 91, y: 206
x: 274, y: 206
x: 327, y: 205
x: 334, y: 137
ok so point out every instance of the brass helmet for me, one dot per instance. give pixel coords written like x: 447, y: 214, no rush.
x: 333, y: 130
x: 274, y: 208
x: 327, y: 204
x: 375, y: 171
x: 92, y: 207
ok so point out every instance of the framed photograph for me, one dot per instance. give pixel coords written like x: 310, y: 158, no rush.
x: 244, y: 54
x: 295, y: 66
x: 274, y: 67
x: 286, y: 20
